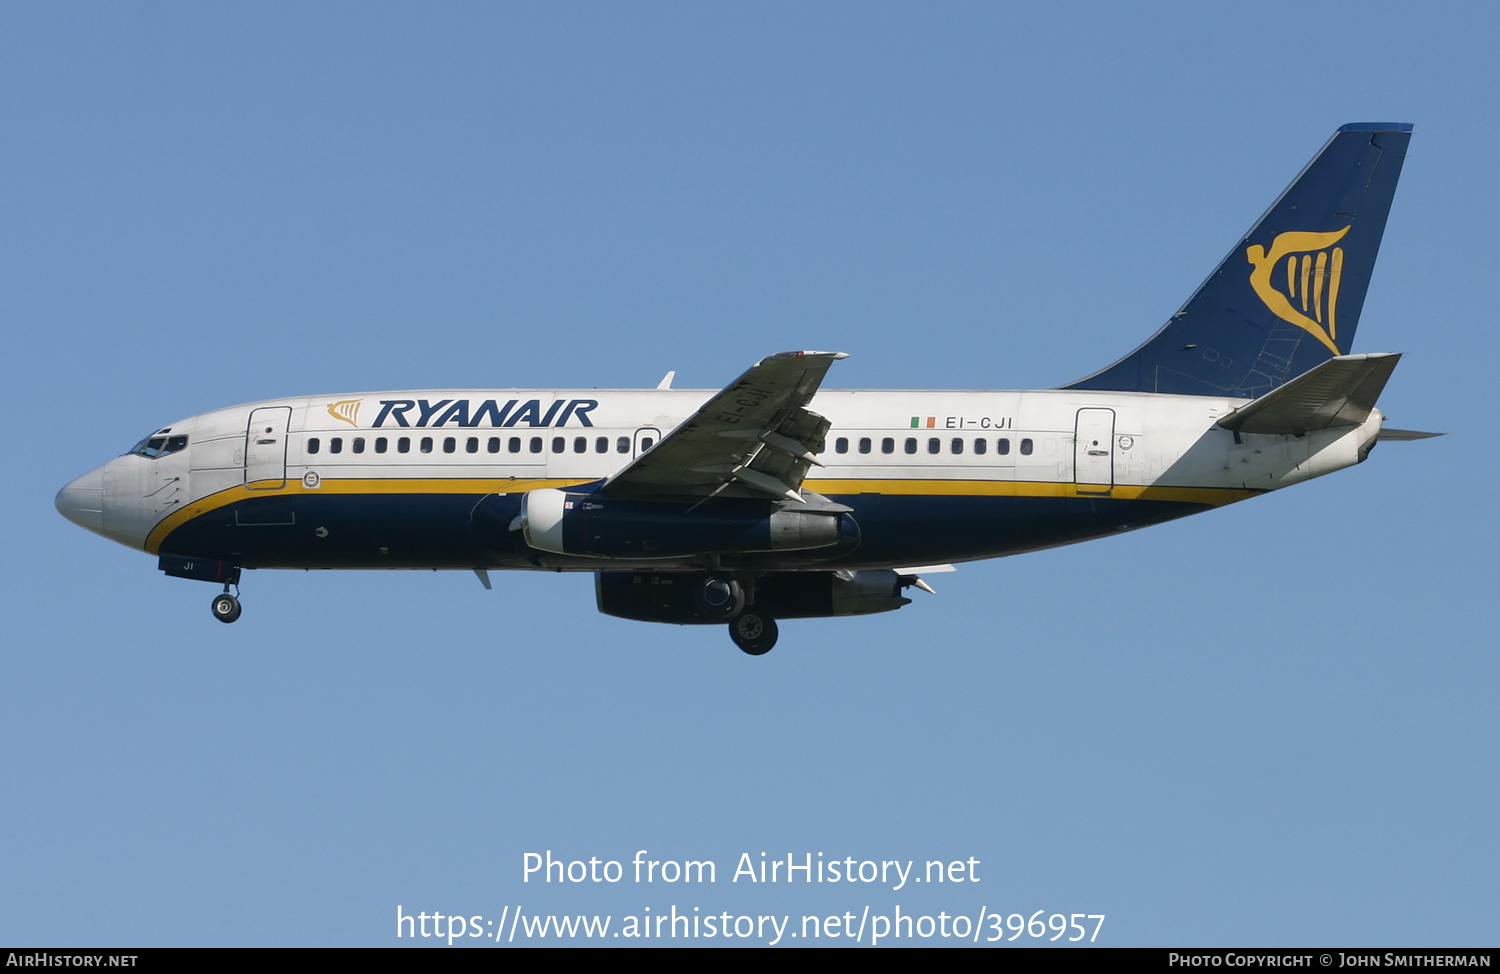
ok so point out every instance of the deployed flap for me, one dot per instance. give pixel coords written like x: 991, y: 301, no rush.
x: 1340, y: 392
x: 913, y: 576
x: 754, y: 439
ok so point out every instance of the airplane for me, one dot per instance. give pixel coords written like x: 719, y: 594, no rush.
x: 774, y: 498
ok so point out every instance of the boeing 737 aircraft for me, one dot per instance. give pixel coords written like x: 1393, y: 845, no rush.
x: 776, y: 499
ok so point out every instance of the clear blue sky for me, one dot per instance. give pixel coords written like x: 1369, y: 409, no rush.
x: 1271, y: 724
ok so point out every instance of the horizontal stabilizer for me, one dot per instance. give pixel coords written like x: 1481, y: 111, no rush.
x: 1340, y: 392
x: 1390, y: 434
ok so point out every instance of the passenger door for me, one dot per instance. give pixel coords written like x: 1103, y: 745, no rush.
x: 265, y: 448
x: 1093, y: 451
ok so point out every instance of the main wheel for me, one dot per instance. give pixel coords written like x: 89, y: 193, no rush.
x: 753, y: 632
x: 226, y: 607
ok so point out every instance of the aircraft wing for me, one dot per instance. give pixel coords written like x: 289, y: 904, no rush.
x: 756, y: 438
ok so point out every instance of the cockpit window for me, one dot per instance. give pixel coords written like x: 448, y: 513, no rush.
x: 159, y: 446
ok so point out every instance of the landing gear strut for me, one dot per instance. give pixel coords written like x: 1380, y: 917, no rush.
x: 226, y: 607
x: 753, y: 632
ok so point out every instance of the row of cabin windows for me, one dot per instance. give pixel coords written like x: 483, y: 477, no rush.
x: 580, y: 444
x: 471, y: 444
x: 934, y: 445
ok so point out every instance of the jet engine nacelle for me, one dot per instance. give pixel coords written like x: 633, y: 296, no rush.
x: 672, y: 596
x: 579, y: 524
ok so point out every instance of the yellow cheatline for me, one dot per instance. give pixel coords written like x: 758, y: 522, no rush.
x: 1212, y: 496
x: 455, y: 485
x: 1215, y: 496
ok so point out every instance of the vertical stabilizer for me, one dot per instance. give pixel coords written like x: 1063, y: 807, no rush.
x: 1288, y: 296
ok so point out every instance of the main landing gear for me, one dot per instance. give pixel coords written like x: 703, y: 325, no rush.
x: 226, y: 607
x: 725, y: 597
x: 753, y: 632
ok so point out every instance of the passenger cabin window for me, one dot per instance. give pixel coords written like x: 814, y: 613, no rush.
x: 471, y: 445
x: 580, y: 444
x: 359, y: 444
x: 336, y: 445
x: 559, y: 444
x: 934, y: 445
x: 1002, y: 446
x: 536, y: 444
x: 957, y: 445
x: 403, y: 445
x: 864, y: 444
x: 1026, y: 448
x: 980, y: 446
x: 380, y: 444
x: 313, y: 445
x: 647, y: 443
x: 493, y: 445
x: 450, y: 444
x: 911, y: 444
x: 888, y: 445
x: 841, y: 444
x: 601, y: 444
x: 515, y: 444
x: 426, y: 444
x: 622, y: 445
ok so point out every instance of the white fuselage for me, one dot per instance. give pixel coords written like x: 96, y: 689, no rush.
x: 945, y: 455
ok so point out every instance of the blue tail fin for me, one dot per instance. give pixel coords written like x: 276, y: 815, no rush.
x: 1288, y: 296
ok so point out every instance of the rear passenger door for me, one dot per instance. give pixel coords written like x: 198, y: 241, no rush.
x: 1093, y: 451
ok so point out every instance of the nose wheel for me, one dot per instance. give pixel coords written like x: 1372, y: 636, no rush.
x: 753, y: 632
x: 226, y: 607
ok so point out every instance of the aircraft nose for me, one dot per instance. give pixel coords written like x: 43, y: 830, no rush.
x: 82, y: 501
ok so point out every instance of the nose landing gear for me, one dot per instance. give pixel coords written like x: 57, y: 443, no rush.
x: 226, y: 607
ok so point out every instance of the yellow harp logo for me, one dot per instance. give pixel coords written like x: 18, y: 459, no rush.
x: 348, y: 411
x: 1313, y: 267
